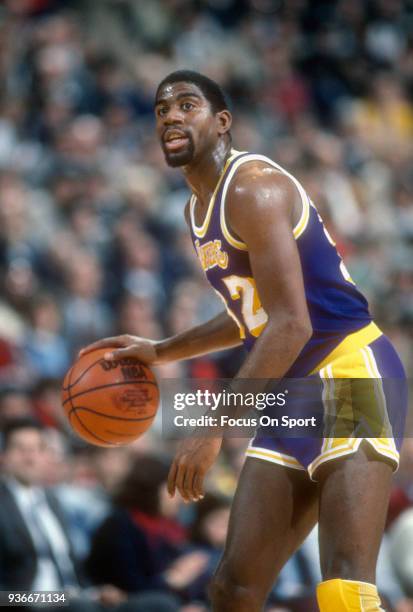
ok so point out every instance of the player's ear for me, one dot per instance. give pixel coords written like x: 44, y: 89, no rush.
x: 224, y: 120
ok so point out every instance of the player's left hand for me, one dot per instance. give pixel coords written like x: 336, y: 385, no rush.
x: 192, y: 461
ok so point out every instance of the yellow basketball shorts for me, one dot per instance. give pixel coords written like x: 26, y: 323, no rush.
x: 359, y: 392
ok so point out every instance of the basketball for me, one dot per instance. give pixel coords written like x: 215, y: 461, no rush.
x: 109, y: 402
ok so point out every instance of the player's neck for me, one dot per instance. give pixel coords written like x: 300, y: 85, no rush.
x: 203, y: 176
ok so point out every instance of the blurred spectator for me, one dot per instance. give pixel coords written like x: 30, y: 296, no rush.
x: 47, y: 403
x: 141, y: 536
x: 401, y: 498
x: 137, y: 316
x: 386, y: 118
x: 86, y: 316
x: 190, y: 574
x: 401, y: 550
x: 14, y: 403
x: 95, y: 476
x: 45, y: 348
x: 37, y: 553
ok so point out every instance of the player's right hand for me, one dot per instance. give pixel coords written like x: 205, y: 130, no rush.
x: 194, y: 457
x: 126, y: 346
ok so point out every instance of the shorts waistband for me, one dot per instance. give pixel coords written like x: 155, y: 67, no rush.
x: 351, y: 343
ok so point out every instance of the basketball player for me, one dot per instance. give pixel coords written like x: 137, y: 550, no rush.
x: 292, y: 303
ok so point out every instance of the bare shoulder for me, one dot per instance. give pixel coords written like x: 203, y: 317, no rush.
x: 260, y: 186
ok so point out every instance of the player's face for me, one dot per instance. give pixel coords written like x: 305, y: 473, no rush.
x: 185, y: 123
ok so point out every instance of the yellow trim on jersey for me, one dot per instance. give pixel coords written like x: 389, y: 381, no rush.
x: 274, y: 457
x: 350, y: 344
x: 305, y: 214
x: 303, y: 222
x: 235, y: 242
x: 201, y: 231
x: 229, y: 238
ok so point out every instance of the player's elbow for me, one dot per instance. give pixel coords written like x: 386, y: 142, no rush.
x: 306, y: 329
x: 298, y: 329
x: 291, y: 324
x: 301, y: 329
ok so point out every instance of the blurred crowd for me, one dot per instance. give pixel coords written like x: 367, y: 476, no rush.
x: 93, y: 243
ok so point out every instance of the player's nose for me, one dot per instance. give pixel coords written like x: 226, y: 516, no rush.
x: 174, y: 116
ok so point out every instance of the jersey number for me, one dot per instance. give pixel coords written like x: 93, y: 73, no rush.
x: 244, y: 288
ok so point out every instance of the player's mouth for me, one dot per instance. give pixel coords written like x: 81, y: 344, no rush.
x: 174, y: 140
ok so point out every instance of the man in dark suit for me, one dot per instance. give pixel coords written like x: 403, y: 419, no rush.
x: 36, y: 553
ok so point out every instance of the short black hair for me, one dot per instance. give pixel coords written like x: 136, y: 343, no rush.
x: 139, y: 490
x: 210, y: 89
x: 17, y: 424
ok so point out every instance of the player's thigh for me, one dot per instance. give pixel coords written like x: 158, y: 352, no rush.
x: 274, y: 509
x: 353, y: 499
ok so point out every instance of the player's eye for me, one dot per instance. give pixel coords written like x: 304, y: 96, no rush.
x: 161, y: 111
x: 187, y: 106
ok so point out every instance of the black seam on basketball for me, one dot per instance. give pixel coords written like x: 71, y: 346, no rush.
x: 110, y: 416
x: 73, y: 410
x: 125, y: 382
x: 84, y: 372
x: 69, y: 374
x: 87, y: 429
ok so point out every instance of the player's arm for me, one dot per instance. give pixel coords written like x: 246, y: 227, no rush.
x: 217, y: 334
x: 263, y: 206
x: 262, y: 209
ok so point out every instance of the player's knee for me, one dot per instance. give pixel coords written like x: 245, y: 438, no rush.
x: 228, y: 593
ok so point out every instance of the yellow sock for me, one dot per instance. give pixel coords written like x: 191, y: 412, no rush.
x: 348, y: 596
